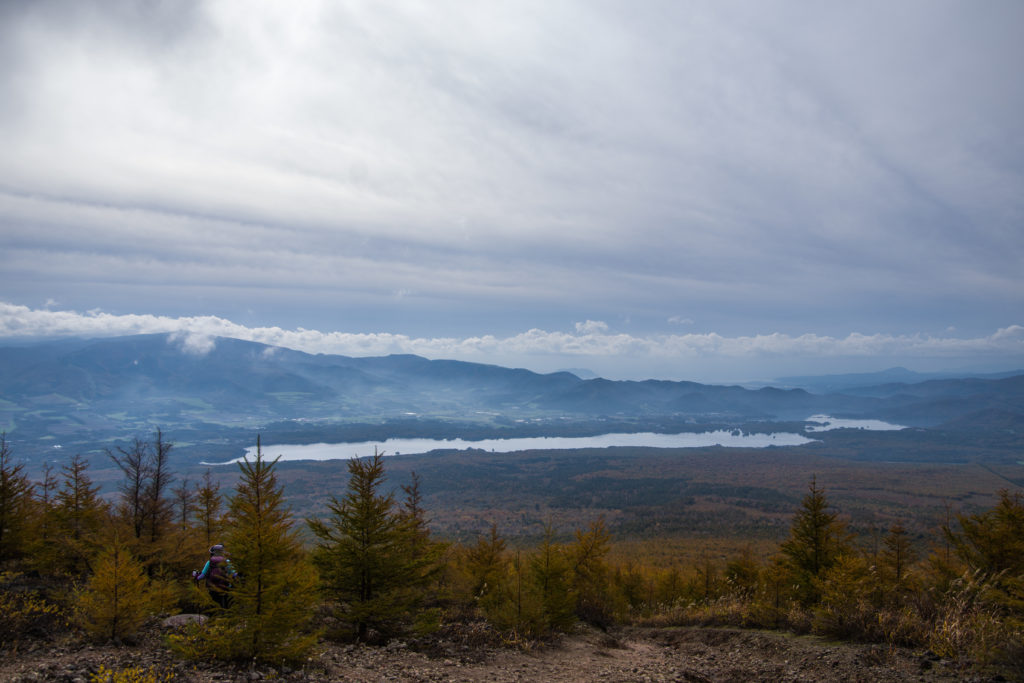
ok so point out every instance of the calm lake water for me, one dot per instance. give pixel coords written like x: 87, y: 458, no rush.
x: 732, y: 439
x: 336, y: 451
x: 827, y: 423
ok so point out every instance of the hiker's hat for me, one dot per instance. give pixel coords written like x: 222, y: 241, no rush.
x: 214, y: 549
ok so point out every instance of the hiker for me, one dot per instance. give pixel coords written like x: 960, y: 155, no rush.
x: 218, y: 574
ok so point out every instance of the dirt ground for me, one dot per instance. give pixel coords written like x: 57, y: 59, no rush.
x: 632, y: 654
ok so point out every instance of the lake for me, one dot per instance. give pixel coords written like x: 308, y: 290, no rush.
x: 827, y: 423
x: 727, y: 438
x: 339, y: 451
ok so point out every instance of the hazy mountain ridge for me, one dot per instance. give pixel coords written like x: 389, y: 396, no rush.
x: 855, y: 383
x: 115, y: 387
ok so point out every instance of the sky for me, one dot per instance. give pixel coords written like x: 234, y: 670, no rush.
x: 716, y: 191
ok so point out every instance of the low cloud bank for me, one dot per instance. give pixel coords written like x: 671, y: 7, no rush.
x: 591, y: 339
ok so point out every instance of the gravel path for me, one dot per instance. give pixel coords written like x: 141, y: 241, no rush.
x: 640, y: 654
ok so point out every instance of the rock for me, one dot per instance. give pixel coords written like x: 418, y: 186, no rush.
x: 179, y: 620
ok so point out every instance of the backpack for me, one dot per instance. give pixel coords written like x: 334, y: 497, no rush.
x: 219, y: 576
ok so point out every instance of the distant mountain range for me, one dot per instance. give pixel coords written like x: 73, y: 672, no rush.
x: 107, y: 389
x: 828, y: 384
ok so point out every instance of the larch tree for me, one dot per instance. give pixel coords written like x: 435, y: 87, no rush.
x: 486, y: 564
x: 184, y: 506
x: 817, y: 538
x: 273, y: 599
x: 132, y: 462
x: 158, y: 505
x: 116, y: 599
x: 208, y: 508
x: 423, y: 552
x: 373, y: 559
x: 145, y: 506
x: 42, y: 548
x: 80, y: 516
x: 551, y: 577
x: 590, y: 575
x: 15, y: 501
x: 896, y: 557
x: 181, y: 541
x: 992, y: 543
x: 423, y: 556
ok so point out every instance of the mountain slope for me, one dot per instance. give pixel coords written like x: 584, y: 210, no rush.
x: 112, y: 387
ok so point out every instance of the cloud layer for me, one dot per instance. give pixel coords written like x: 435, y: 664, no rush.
x: 453, y: 171
x: 592, y: 343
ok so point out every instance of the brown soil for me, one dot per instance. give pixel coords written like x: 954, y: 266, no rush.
x: 632, y: 654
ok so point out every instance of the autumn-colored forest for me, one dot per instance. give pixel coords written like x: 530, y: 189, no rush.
x: 74, y: 563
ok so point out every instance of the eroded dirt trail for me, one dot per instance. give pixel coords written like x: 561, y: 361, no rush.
x: 630, y: 655
x: 653, y: 655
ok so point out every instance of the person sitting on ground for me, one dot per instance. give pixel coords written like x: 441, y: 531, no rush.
x: 218, y: 574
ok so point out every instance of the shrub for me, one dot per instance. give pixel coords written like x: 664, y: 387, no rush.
x: 968, y: 627
x: 849, y: 601
x: 26, y: 613
x: 726, y: 610
x: 131, y: 675
x: 904, y: 626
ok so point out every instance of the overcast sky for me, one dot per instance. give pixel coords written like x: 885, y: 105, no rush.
x: 690, y: 190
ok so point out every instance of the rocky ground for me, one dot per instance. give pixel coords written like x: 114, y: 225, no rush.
x: 632, y: 654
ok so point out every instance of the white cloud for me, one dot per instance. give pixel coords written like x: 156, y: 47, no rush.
x: 592, y: 327
x: 194, y: 343
x: 198, y: 335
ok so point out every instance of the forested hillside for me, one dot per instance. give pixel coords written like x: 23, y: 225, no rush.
x: 371, y: 570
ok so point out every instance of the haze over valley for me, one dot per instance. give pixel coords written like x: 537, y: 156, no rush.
x: 83, y: 395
